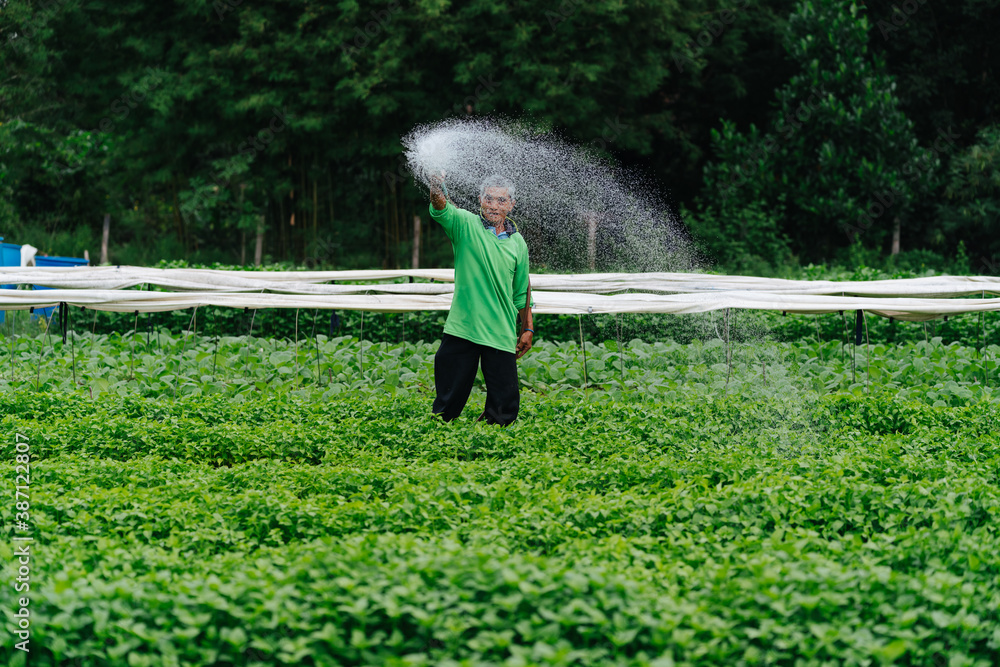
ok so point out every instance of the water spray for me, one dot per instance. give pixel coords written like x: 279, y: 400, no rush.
x: 575, y: 210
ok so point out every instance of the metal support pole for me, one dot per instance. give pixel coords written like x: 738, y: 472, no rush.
x: 982, y: 350
x: 843, y: 344
x: 131, y: 363
x: 729, y: 355
x: 868, y: 356
x: 72, y: 347
x: 215, y: 353
x: 296, y: 341
x: 621, y: 351
x: 319, y: 377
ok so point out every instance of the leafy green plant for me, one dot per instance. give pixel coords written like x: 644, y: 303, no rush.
x: 708, y: 504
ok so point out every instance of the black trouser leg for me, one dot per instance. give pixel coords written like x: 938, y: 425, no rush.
x: 455, y: 366
x: 503, y: 394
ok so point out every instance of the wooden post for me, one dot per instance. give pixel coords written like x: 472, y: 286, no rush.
x: 281, y: 227
x: 259, y: 248
x: 333, y: 229
x: 291, y: 221
x: 386, y: 231
x: 243, y: 232
x: 591, y: 219
x: 179, y: 219
x: 315, y: 238
x: 395, y: 226
x: 416, y: 242
x: 104, y: 238
x: 895, y: 235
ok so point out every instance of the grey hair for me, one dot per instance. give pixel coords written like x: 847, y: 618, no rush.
x: 497, y: 181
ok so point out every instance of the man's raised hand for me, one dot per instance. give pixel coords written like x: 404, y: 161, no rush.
x: 439, y: 195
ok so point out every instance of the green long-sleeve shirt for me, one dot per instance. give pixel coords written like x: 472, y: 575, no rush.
x: 491, y: 280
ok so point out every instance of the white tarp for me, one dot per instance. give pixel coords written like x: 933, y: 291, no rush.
x: 903, y: 308
x: 107, y: 288
x: 312, y: 282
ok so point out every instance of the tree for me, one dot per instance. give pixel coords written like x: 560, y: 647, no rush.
x: 186, y: 92
x: 838, y: 148
x: 971, y: 210
x: 189, y: 91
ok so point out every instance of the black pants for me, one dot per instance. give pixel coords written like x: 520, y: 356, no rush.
x: 455, y: 366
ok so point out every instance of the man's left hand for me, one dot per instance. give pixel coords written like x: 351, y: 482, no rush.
x: 523, y: 343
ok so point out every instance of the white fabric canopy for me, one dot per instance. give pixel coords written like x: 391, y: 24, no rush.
x: 311, y: 282
x: 545, y: 302
x: 105, y: 288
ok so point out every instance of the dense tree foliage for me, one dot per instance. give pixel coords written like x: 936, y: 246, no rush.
x: 202, y: 129
x: 971, y: 205
x: 839, y: 149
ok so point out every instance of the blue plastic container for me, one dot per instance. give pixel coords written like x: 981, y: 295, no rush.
x: 10, y: 255
x: 60, y: 261
x: 55, y: 261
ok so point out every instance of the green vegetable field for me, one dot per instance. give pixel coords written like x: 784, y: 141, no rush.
x: 257, y: 501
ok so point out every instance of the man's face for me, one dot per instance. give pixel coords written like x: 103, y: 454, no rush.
x: 496, y: 204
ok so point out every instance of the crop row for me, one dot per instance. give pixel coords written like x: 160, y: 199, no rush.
x: 321, y: 368
x: 968, y: 329
x: 683, y: 511
x: 538, y: 504
x: 789, y: 530
x: 219, y: 431
x: 401, y: 599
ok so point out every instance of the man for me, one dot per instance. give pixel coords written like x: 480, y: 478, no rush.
x: 490, y: 319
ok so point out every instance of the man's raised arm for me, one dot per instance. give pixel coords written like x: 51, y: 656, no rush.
x: 438, y: 198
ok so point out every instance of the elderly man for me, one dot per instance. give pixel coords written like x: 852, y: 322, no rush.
x: 490, y: 319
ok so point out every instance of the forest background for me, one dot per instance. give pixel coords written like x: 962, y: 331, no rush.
x: 781, y: 133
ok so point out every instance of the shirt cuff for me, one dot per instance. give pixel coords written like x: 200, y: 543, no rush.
x: 435, y: 213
